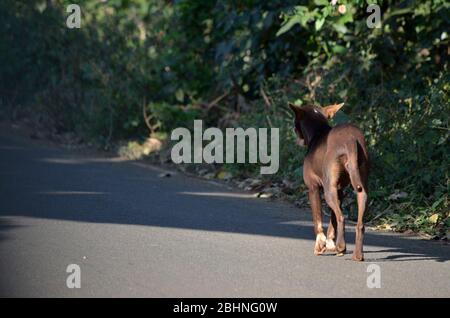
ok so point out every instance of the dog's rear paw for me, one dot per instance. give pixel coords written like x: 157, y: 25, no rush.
x: 330, y: 246
x: 320, y: 247
x: 340, y: 250
x: 319, y: 251
x: 358, y: 257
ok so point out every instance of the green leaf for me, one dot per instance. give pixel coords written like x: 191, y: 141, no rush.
x: 339, y: 49
x: 340, y: 28
x: 436, y: 204
x: 319, y: 23
x: 289, y: 24
x: 321, y: 2
x: 179, y: 95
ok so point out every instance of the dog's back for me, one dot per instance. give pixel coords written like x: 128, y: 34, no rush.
x: 347, y: 151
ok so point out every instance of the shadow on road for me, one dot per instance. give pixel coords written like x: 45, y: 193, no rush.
x: 48, y: 183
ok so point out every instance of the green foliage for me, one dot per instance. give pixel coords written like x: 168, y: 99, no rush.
x: 171, y: 117
x: 170, y: 58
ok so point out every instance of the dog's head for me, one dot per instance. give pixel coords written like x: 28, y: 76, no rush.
x: 311, y: 115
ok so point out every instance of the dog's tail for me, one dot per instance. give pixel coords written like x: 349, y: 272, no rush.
x: 352, y: 166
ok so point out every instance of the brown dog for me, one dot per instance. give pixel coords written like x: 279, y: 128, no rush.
x: 335, y: 158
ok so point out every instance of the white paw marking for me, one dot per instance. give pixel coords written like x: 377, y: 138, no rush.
x: 320, y: 238
x: 330, y: 244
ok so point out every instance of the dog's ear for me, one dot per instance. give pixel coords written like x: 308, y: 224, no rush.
x: 331, y: 110
x: 298, y: 111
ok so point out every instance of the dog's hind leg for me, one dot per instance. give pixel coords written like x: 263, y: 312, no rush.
x: 331, y: 234
x: 358, y: 176
x: 358, y: 255
x: 332, y: 198
x: 332, y: 227
x: 316, y: 207
x: 361, y: 197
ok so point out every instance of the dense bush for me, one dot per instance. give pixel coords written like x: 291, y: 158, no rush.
x: 172, y: 59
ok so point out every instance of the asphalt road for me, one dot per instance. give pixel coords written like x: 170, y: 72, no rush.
x: 134, y: 233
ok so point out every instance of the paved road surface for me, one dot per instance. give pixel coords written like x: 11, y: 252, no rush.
x: 135, y: 234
